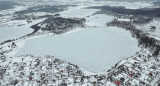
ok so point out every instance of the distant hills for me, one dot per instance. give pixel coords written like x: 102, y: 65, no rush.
x: 7, y: 4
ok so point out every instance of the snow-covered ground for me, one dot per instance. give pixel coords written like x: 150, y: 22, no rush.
x: 92, y: 48
x: 38, y: 14
x: 127, y: 5
x: 147, y: 28
x: 14, y: 23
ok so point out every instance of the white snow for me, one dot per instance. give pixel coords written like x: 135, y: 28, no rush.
x: 14, y: 23
x: 127, y: 5
x: 95, y: 49
x: 147, y: 28
x: 37, y: 14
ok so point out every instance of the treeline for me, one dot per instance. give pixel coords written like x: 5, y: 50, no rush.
x: 143, y: 39
x: 7, y: 41
x: 20, y: 15
x: 46, y: 8
x: 59, y: 25
x: 150, y: 12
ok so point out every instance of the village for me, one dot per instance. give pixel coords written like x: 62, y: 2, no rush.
x: 44, y: 71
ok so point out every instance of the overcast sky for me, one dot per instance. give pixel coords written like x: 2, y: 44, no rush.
x: 88, y: 0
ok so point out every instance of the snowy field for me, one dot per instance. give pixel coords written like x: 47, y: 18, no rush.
x: 127, y: 5
x: 95, y: 49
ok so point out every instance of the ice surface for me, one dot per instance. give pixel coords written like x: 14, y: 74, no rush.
x: 8, y: 33
x: 77, y: 12
x: 98, y: 20
x: 94, y: 49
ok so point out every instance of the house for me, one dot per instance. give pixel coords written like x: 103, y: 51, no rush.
x: 118, y: 83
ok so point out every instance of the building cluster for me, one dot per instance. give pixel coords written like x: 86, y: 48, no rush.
x: 28, y: 70
x: 142, y: 69
x: 6, y: 48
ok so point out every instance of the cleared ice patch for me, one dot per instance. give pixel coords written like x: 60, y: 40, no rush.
x: 77, y: 12
x: 98, y: 20
x: 95, y: 49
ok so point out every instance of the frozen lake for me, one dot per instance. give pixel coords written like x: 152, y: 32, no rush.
x: 78, y: 12
x: 8, y: 33
x: 98, y: 20
x: 95, y: 49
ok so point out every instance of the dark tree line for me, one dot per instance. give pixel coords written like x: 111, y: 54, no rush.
x: 7, y: 41
x: 46, y: 8
x: 143, y: 39
x: 59, y: 25
x: 150, y: 12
